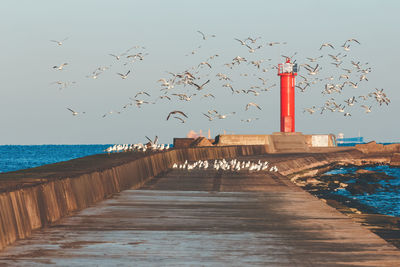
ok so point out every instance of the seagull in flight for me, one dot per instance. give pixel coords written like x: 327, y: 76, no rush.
x: 275, y: 43
x: 124, y: 76
x: 205, y: 63
x: 204, y: 36
x: 325, y: 45
x: 241, y: 42
x: 367, y: 109
x: 118, y: 57
x: 253, y: 40
x: 74, y: 113
x: 199, y: 87
x: 252, y: 104
x: 141, y: 93
x: 208, y: 117
x: 176, y: 112
x: 312, y: 71
x: 164, y: 96
x: 140, y: 102
x: 351, y: 40
x: 59, y: 42
x: 60, y: 67
x: 311, y: 59
x: 208, y: 95
x: 250, y: 119
x: 178, y: 118
x: 310, y: 110
x: 224, y: 116
x: 63, y: 84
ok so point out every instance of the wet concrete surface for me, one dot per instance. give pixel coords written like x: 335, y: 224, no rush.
x: 210, y: 218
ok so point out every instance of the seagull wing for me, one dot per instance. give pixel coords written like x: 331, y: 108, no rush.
x: 202, y: 34
x: 182, y: 120
x: 176, y: 111
x: 180, y: 112
x: 149, y: 139
x: 205, y: 82
x: 243, y: 43
x: 209, y: 117
x: 195, y: 84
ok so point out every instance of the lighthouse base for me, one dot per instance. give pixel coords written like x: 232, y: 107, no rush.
x: 289, y: 142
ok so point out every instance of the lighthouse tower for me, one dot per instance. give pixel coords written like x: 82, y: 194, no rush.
x: 287, y: 72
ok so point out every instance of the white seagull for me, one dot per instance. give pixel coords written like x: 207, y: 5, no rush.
x: 60, y: 67
x: 59, y: 42
x: 325, y: 45
x: 124, y: 76
x: 252, y: 104
x: 74, y: 113
x: 367, y: 109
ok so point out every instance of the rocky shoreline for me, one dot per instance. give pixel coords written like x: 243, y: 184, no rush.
x: 363, y: 181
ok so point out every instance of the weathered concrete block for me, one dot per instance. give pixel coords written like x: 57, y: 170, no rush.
x: 395, y: 160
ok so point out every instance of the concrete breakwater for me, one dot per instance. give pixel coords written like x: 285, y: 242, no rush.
x: 31, y: 199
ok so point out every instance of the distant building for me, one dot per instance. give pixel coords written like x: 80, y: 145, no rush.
x: 341, y: 140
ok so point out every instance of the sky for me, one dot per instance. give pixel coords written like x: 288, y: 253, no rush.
x: 34, y: 109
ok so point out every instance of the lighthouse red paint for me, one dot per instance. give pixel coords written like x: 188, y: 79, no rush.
x: 287, y: 71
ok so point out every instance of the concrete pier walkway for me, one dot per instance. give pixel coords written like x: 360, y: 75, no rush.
x: 207, y: 218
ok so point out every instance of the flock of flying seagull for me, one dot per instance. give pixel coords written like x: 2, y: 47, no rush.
x: 208, y: 78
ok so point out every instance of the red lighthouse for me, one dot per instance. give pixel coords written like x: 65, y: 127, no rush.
x: 287, y: 71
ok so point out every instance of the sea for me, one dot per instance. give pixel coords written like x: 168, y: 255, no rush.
x: 18, y: 157
x: 385, y: 200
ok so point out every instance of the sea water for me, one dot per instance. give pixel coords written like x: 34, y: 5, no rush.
x: 17, y: 157
x: 385, y: 200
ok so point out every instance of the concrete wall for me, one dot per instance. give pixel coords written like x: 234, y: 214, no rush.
x: 373, y: 147
x: 279, y: 142
x: 243, y: 139
x: 183, y: 142
x: 331, y: 140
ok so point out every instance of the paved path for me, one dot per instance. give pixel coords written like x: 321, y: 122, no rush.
x: 206, y: 218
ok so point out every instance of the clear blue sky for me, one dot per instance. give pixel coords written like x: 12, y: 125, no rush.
x: 33, y: 111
